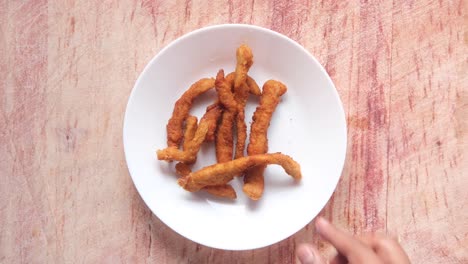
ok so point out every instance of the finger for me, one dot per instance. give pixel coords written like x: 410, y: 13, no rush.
x: 308, y: 254
x: 387, y: 248
x: 345, y: 244
x: 338, y: 259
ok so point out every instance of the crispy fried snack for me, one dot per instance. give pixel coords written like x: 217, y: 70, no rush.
x: 254, y: 89
x: 230, y: 79
x: 182, y: 169
x: 225, y: 190
x: 225, y: 95
x: 181, y: 110
x: 241, y: 129
x: 253, y: 179
x: 241, y: 133
x: 253, y: 86
x: 214, y: 113
x: 188, y: 155
x: 224, y: 141
x: 192, y: 146
x: 191, y: 125
x: 244, y: 58
x: 224, y: 136
x: 222, y: 173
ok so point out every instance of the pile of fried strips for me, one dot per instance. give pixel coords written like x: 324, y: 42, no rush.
x: 223, y: 119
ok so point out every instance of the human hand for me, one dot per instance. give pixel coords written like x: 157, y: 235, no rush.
x: 370, y: 248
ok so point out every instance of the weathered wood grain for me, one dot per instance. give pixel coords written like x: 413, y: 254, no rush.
x: 67, y: 69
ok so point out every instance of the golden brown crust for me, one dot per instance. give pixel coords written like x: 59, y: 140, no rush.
x: 253, y: 179
x: 188, y: 155
x: 191, y: 125
x: 182, y: 169
x: 254, y: 184
x: 241, y: 133
x: 222, y: 173
x: 225, y: 95
x: 241, y: 95
x: 223, y: 191
x: 182, y: 108
x: 224, y: 134
x: 254, y: 89
x: 244, y: 58
x: 253, y: 86
x: 213, y: 112
x: 224, y: 138
x: 230, y: 80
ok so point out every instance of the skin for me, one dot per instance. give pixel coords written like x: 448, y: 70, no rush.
x: 181, y: 110
x: 369, y: 248
x: 222, y: 173
x: 253, y: 179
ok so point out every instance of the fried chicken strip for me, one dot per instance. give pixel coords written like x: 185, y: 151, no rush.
x: 224, y: 191
x: 188, y: 155
x: 253, y: 86
x: 241, y: 133
x: 182, y: 108
x: 253, y: 179
x: 214, y: 111
x: 244, y: 58
x: 222, y: 173
x: 182, y: 169
x: 191, y: 147
x: 224, y: 136
x: 191, y: 125
x: 254, y: 89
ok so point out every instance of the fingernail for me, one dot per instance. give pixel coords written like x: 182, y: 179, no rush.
x: 305, y: 255
x: 320, y: 223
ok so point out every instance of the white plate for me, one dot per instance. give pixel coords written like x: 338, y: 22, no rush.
x: 309, y: 125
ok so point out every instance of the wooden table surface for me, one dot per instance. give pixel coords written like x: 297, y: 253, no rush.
x: 67, y: 69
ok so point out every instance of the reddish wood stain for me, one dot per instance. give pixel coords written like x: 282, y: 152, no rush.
x: 399, y: 66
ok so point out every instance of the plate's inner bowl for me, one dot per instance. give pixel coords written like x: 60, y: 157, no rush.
x: 308, y: 125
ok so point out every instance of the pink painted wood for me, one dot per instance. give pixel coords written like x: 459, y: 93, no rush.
x: 66, y: 71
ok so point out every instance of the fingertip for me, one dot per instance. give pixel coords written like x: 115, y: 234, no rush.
x: 320, y: 224
x: 305, y: 253
x: 309, y: 254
